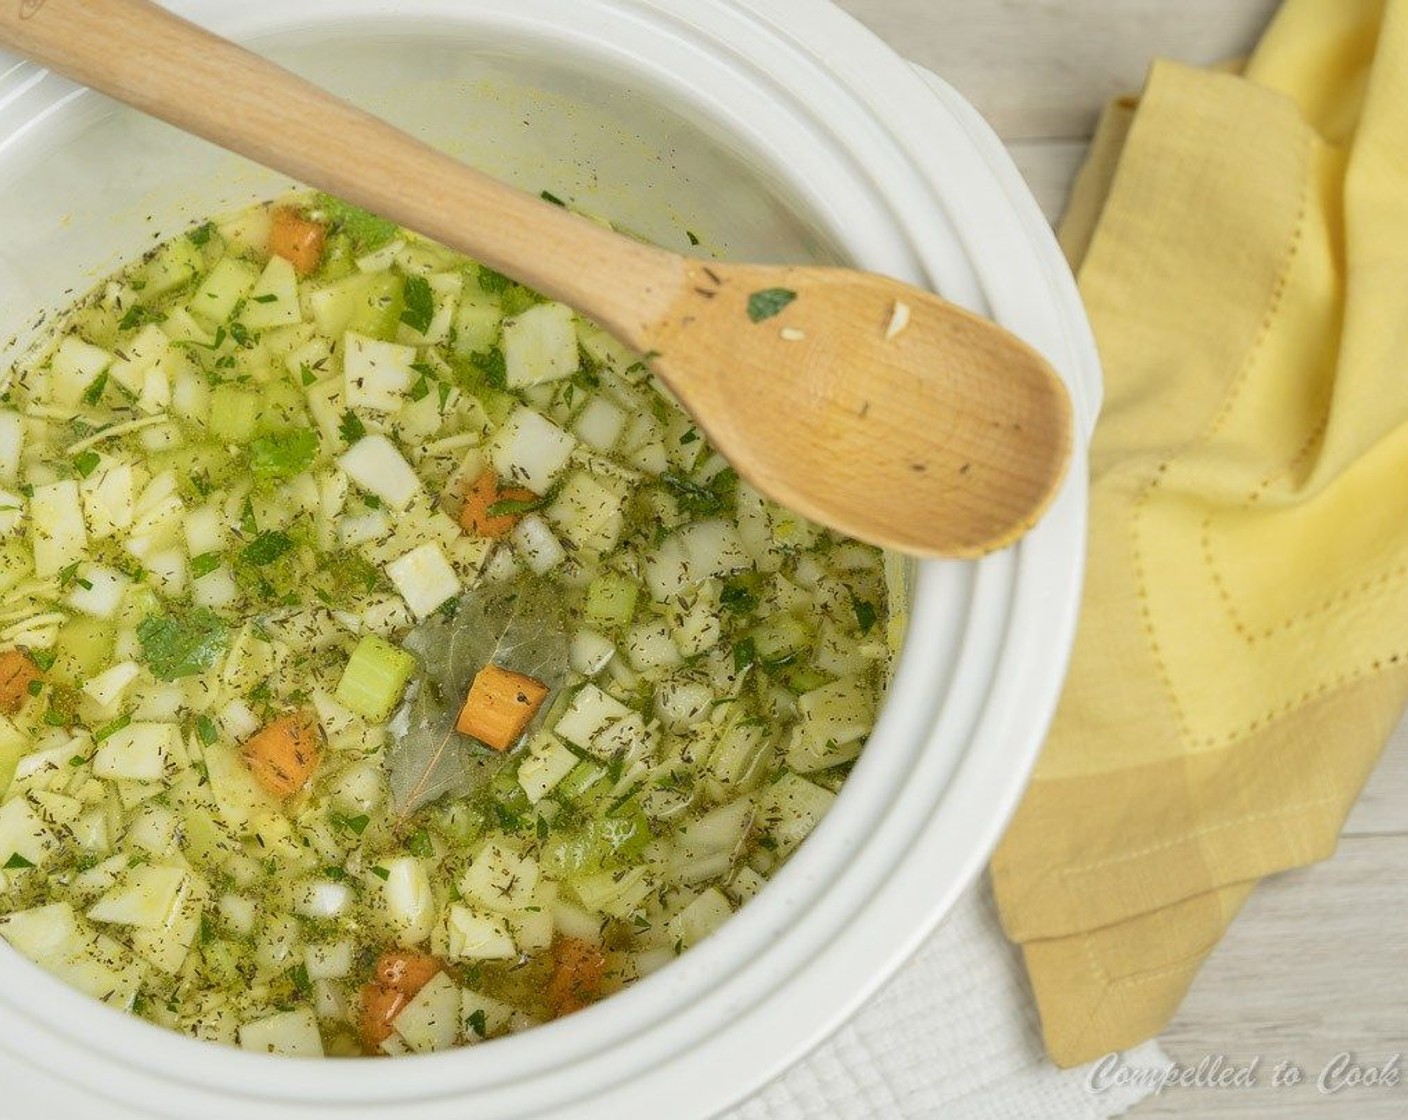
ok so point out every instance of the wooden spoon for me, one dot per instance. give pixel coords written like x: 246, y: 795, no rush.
x: 861, y: 402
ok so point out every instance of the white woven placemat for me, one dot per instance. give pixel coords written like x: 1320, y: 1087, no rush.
x: 954, y: 1035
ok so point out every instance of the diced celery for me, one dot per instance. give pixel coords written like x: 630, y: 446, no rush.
x: 83, y: 648
x: 234, y: 414
x: 367, y: 303
x: 375, y: 677
x: 780, y: 638
x: 701, y: 917
x: 281, y: 408
x: 477, y: 323
x: 611, y: 599
x: 228, y: 283
x: 176, y: 263
x: 13, y: 744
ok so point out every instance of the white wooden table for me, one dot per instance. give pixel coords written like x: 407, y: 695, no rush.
x: 1317, y: 964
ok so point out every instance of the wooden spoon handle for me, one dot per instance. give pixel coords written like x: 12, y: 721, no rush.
x: 172, y: 69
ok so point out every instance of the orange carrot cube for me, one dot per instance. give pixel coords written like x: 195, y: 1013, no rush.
x: 400, y: 975
x: 486, y: 493
x: 297, y: 239
x: 578, y: 976
x: 17, y: 672
x: 283, y: 754
x: 500, y: 705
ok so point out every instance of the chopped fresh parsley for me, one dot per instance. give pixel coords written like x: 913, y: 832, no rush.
x: 420, y: 845
x: 744, y: 654
x: 418, y: 310
x: 493, y: 367
x: 17, y: 862
x: 738, y: 597
x: 491, y: 282
x: 865, y: 614
x: 182, y: 645
x: 206, y: 729
x: 351, y: 428
x: 355, y: 825
x: 478, y: 1022
x: 283, y: 454
x: 204, y: 564
x: 108, y: 730
x: 768, y: 303
x: 703, y: 499
x: 266, y: 548
x: 512, y: 507
x: 548, y: 196
x: 381, y: 873
x: 364, y: 230
x: 94, y: 393
x: 86, y: 462
x: 201, y: 234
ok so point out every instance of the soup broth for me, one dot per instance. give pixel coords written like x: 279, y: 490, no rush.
x: 387, y: 663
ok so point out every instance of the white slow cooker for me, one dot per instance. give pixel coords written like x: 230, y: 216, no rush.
x: 771, y: 129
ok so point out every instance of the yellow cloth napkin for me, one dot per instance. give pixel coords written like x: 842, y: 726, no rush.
x: 1242, y: 655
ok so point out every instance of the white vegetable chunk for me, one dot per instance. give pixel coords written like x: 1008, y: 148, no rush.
x: 600, y: 423
x: 375, y: 464
x: 548, y: 762
x: 108, y: 686
x: 591, y: 712
x: 56, y: 527
x: 23, y: 833
x: 145, y: 895
x: 291, y: 1034
x: 540, y: 345
x: 73, y: 368
x: 475, y: 936
x: 431, y: 1020
x: 498, y: 879
x: 376, y: 375
x: 530, y: 450
x: 11, y: 445
x: 137, y: 752
x: 273, y: 302
x: 425, y: 579
x: 97, y: 590
x: 409, y: 903
x: 536, y: 543
x: 322, y: 898
x: 591, y: 652
x: 108, y: 499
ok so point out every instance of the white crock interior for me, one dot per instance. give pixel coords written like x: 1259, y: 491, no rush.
x: 772, y: 129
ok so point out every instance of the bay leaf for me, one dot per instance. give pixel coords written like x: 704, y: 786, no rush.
x: 521, y: 627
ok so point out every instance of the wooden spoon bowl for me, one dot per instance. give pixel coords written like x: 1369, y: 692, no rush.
x: 859, y: 401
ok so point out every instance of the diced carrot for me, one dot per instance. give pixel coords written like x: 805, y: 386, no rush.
x: 500, y: 705
x: 297, y: 239
x: 17, y: 672
x: 399, y: 976
x: 483, y: 495
x: 283, y: 754
x: 578, y: 975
